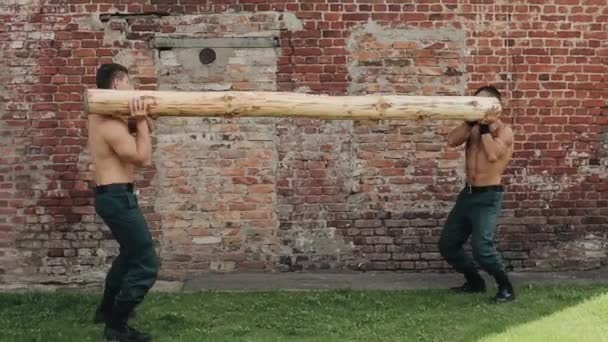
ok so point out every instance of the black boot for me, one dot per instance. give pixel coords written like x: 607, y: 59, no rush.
x: 117, y: 330
x: 104, y: 310
x: 105, y: 307
x: 505, y: 289
x: 103, y: 314
x: 474, y: 283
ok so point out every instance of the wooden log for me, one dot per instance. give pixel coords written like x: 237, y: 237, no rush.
x: 294, y: 105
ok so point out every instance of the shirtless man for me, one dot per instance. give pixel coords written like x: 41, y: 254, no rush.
x: 118, y: 146
x: 489, y: 147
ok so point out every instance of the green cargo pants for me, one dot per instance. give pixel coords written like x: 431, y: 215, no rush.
x: 475, y: 214
x: 135, y: 269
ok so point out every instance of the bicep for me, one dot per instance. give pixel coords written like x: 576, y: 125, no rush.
x: 505, y: 138
x: 458, y: 135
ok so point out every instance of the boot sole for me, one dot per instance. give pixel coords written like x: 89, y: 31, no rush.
x: 459, y: 290
x: 503, y: 301
x: 471, y: 292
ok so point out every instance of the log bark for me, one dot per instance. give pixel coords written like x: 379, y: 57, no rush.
x: 294, y: 105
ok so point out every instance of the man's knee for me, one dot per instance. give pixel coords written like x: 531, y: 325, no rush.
x: 447, y: 248
x: 154, y: 270
x: 485, y: 255
x: 144, y: 262
x: 150, y: 263
x: 443, y: 249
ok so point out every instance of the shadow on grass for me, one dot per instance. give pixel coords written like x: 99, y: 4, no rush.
x: 428, y: 315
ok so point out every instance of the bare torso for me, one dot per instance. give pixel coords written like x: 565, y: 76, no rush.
x: 480, y: 171
x: 108, y: 168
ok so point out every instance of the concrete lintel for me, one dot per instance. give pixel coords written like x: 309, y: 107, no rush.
x: 163, y: 41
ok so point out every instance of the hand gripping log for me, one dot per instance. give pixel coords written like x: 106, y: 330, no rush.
x: 294, y: 105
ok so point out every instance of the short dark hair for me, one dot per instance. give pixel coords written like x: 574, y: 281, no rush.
x: 107, y: 73
x: 490, y: 89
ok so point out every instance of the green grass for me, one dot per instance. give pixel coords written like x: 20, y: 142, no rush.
x: 428, y: 315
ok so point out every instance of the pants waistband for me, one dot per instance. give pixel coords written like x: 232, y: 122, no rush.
x: 475, y: 189
x: 115, y: 187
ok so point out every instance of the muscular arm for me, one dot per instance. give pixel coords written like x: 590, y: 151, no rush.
x: 459, y: 135
x: 496, y: 146
x: 138, y: 150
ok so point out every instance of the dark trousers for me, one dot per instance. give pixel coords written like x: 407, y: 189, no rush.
x: 135, y: 269
x: 474, y: 215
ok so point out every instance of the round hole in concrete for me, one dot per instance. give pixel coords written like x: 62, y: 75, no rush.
x: 207, y: 56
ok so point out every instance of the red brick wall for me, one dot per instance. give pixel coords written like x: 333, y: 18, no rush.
x: 342, y: 194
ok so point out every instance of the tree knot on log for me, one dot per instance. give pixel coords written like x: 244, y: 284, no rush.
x: 230, y: 113
x: 381, y: 106
x: 228, y: 99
